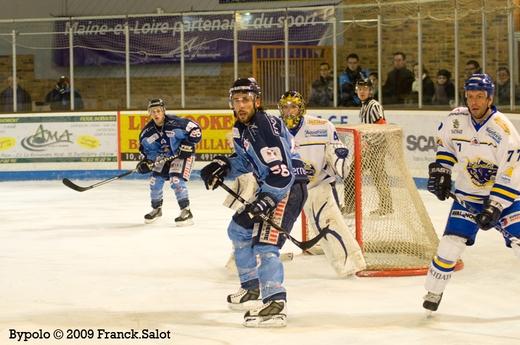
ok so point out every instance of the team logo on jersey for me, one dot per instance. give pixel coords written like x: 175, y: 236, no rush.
x: 502, y: 125
x: 271, y: 154
x: 482, y: 173
x: 494, y: 135
x: 316, y: 133
x: 456, y: 123
x: 463, y: 214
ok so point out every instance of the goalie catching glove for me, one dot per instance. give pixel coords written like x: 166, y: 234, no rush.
x: 439, y: 181
x: 214, y: 173
x: 144, y: 166
x: 264, y: 204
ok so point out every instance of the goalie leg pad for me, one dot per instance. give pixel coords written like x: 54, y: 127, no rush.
x: 245, y: 186
x: 322, y: 211
x: 442, y: 265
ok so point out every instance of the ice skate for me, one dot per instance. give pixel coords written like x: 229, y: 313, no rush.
x: 244, y: 299
x: 270, y: 314
x: 432, y: 301
x: 153, y: 216
x: 185, y: 218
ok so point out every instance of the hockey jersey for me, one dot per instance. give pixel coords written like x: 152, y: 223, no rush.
x: 488, y: 155
x: 311, y: 136
x: 158, y: 142
x: 266, y: 148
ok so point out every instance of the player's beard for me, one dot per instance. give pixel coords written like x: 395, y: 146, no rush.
x: 245, y: 116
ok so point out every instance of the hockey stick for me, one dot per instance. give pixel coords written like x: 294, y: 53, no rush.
x: 302, y: 245
x: 78, y: 188
x: 471, y: 209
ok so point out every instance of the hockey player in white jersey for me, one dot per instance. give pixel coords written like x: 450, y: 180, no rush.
x: 325, y: 157
x: 485, y: 146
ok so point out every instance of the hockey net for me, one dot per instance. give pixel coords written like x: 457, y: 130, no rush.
x: 381, y: 204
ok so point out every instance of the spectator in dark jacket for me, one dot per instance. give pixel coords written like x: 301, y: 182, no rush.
x: 428, y: 89
x: 23, y: 99
x: 348, y: 79
x: 398, y: 84
x: 503, y: 95
x: 59, y: 97
x: 322, y: 92
x: 444, y: 89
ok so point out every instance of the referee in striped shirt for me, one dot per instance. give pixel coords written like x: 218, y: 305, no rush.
x: 374, y: 152
x: 371, y: 111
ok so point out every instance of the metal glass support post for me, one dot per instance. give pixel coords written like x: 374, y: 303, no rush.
x: 183, y: 89
x: 71, y: 67
x: 335, y: 58
x: 235, y: 47
x: 286, y: 43
x: 379, y: 58
x: 511, y: 49
x: 456, y: 47
x: 15, y: 83
x: 419, y: 58
x: 127, y: 64
x: 483, y: 37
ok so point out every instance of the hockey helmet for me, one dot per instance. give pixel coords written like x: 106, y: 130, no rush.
x: 364, y: 82
x: 480, y: 82
x: 156, y: 102
x: 292, y: 98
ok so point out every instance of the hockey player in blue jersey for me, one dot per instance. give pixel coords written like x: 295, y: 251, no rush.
x: 263, y: 145
x: 486, y: 146
x: 167, y: 136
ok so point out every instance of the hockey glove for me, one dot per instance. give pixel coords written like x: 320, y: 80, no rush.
x: 489, y: 215
x: 264, y: 204
x: 439, y: 181
x: 144, y: 166
x: 214, y: 173
x: 185, y: 150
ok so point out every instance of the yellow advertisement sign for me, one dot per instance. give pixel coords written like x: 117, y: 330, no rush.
x: 215, y: 126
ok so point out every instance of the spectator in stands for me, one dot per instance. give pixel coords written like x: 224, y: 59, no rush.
x: 428, y: 89
x: 472, y: 67
x: 59, y: 97
x: 374, y: 79
x: 348, y: 79
x: 444, y: 89
x: 322, y: 92
x: 23, y: 99
x: 398, y: 84
x: 503, y: 95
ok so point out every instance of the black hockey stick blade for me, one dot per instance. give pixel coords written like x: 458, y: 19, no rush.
x: 74, y: 186
x: 77, y: 188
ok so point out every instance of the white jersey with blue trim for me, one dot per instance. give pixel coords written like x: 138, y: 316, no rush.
x: 311, y: 136
x: 487, y: 154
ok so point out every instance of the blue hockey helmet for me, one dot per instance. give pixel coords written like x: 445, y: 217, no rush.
x: 480, y: 82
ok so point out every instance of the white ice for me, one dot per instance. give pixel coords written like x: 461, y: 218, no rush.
x: 72, y: 260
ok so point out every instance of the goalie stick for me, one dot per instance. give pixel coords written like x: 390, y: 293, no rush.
x: 78, y: 188
x: 471, y: 209
x: 302, y: 245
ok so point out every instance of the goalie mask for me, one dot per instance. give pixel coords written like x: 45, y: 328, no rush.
x: 292, y: 108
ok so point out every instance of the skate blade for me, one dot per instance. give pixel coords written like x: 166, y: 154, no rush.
x: 249, y: 305
x: 187, y: 222
x: 150, y: 221
x: 277, y: 321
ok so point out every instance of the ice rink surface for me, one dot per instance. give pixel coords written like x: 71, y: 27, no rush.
x: 72, y: 260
